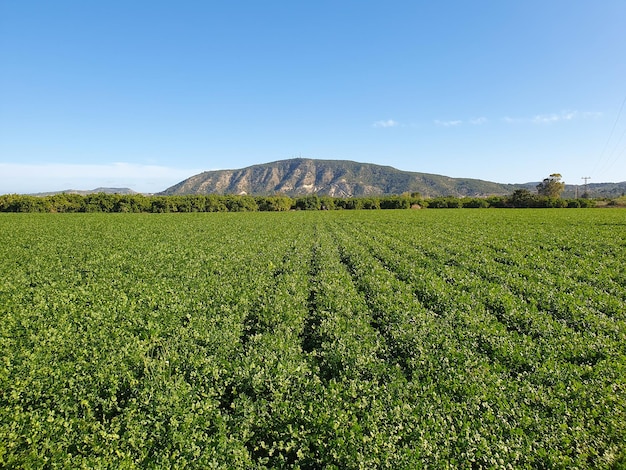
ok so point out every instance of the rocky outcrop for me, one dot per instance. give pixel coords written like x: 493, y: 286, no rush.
x: 337, y: 178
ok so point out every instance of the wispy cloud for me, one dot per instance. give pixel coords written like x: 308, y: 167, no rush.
x: 552, y: 118
x: 32, y: 178
x: 386, y: 123
x: 448, y: 123
x: 458, y: 122
x: 478, y: 121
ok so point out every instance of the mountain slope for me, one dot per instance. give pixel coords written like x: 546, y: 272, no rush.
x: 81, y: 192
x: 337, y: 178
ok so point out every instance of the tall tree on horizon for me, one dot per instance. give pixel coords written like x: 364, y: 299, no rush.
x: 551, y: 186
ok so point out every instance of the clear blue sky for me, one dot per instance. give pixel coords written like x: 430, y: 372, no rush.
x: 143, y: 94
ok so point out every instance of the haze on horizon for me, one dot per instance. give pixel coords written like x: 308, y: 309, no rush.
x: 145, y: 94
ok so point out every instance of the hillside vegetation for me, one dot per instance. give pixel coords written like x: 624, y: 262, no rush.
x: 346, y: 179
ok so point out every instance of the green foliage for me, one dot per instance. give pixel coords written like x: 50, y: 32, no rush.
x: 395, y: 202
x: 274, y: 203
x: 474, y: 202
x: 308, y: 203
x: 445, y: 203
x: 522, y: 198
x: 279, y: 203
x: 387, y: 339
x: 551, y: 186
x: 617, y: 202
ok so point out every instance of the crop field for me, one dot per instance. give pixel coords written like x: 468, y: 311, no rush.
x: 363, y: 339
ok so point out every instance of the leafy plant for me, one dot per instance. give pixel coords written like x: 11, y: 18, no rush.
x: 385, y: 339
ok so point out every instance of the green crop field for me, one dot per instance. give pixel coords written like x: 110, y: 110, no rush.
x: 364, y: 339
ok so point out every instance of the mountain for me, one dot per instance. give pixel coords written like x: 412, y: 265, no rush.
x: 337, y: 178
x: 89, y: 191
x: 596, y: 190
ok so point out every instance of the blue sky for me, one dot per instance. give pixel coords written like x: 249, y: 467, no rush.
x: 143, y: 94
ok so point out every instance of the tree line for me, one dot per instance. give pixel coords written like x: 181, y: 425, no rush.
x: 102, y: 202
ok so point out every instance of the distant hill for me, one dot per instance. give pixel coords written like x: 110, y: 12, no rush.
x: 343, y: 178
x: 596, y: 190
x: 89, y: 191
x: 337, y: 178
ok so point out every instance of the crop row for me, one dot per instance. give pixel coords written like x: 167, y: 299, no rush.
x: 391, y: 339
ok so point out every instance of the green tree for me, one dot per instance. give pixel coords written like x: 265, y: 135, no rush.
x: 522, y: 198
x: 311, y: 202
x: 274, y: 203
x: 551, y: 186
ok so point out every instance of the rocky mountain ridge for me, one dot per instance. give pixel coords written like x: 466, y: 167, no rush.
x: 336, y: 178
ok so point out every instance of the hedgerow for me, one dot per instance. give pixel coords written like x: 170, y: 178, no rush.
x: 135, y: 203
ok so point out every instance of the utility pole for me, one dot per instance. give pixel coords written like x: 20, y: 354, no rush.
x: 586, y: 178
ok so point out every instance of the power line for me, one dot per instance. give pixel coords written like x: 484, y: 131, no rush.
x: 612, y: 161
x: 619, y: 114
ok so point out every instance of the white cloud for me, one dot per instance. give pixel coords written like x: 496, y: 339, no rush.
x: 552, y: 118
x: 33, y: 178
x: 387, y: 123
x: 478, y: 121
x: 448, y: 123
